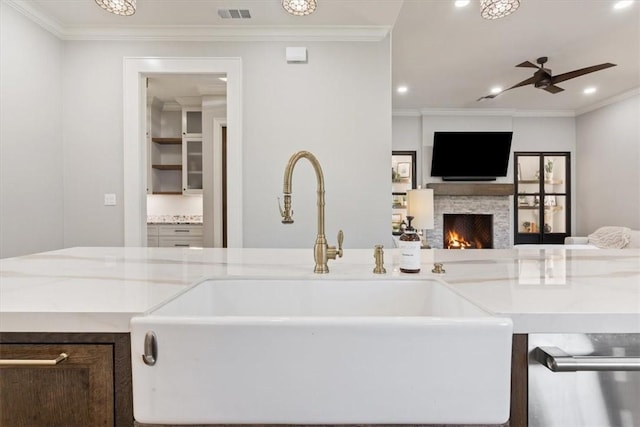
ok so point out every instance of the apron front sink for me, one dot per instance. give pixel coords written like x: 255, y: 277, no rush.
x: 320, y: 351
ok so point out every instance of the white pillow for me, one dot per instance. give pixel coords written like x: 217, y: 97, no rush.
x: 610, y: 237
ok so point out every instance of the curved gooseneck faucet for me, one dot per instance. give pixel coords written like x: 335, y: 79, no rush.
x: 322, y: 252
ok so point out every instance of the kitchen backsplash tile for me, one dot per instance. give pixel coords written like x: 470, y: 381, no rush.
x: 174, y: 219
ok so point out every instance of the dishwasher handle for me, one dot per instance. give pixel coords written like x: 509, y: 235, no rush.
x: 557, y: 360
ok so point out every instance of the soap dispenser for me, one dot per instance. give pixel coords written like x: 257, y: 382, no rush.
x: 409, y: 246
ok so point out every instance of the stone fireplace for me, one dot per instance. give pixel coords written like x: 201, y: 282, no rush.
x: 493, y: 200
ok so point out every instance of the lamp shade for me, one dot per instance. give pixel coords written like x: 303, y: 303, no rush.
x: 420, y: 206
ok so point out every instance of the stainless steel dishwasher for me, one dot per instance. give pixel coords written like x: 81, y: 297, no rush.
x: 584, y: 380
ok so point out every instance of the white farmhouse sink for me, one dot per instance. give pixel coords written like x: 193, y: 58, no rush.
x: 287, y: 351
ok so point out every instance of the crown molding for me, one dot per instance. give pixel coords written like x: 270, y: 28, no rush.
x: 492, y: 112
x: 46, y: 22
x: 204, y: 33
x: 544, y: 113
x: 609, y: 101
x: 513, y: 112
x: 171, y: 106
x: 234, y: 34
x: 466, y: 112
x: 406, y: 113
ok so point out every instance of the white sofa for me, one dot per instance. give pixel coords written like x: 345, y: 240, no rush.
x: 607, y: 237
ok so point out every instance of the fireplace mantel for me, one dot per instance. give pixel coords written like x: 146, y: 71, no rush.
x: 447, y: 189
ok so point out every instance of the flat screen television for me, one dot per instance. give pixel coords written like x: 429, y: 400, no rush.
x: 470, y: 156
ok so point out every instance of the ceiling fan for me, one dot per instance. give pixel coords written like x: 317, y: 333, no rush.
x: 543, y: 79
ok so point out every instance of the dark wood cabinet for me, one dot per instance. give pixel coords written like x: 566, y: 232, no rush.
x: 90, y: 387
x: 542, y: 197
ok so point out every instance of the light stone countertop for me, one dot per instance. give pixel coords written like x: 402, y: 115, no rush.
x: 174, y: 219
x: 542, y: 289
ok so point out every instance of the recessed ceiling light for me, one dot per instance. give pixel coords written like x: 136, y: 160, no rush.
x: 622, y: 4
x: 589, y: 90
x: 461, y: 3
x: 496, y: 90
x: 402, y: 89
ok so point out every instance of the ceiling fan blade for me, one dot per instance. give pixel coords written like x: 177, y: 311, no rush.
x: 553, y: 89
x: 529, y: 81
x: 487, y: 97
x: 527, y: 64
x: 577, y: 73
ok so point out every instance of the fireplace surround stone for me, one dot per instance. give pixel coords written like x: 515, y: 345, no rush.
x: 498, y: 206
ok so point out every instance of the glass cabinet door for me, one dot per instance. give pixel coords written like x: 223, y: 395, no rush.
x: 528, y: 194
x: 192, y: 122
x: 555, y: 194
x: 192, y: 166
x: 542, y: 197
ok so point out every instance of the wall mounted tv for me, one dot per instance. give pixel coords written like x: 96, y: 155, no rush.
x: 470, y: 156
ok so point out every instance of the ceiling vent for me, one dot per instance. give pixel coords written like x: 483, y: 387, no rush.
x: 234, y: 13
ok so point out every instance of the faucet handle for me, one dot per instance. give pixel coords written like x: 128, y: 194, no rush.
x: 332, y: 252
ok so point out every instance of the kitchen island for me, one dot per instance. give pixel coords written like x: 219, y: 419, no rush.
x: 85, y: 294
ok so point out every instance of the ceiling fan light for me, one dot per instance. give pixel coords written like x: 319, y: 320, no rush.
x: 300, y: 7
x: 494, y: 9
x: 118, y: 7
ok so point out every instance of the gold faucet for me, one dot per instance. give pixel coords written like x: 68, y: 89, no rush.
x: 322, y: 252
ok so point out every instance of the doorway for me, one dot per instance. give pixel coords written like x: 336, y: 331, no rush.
x: 179, y: 137
x: 135, y: 72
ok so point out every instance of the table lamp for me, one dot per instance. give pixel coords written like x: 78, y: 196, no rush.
x: 420, y: 206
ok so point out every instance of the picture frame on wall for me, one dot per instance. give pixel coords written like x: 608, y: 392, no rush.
x: 399, y: 201
x: 404, y: 170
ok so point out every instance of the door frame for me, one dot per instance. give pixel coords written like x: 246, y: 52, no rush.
x: 219, y: 188
x: 136, y: 69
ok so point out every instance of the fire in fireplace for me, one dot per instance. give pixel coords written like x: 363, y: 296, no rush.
x: 467, y: 231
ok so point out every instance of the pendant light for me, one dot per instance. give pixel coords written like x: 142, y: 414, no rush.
x: 300, y: 7
x: 494, y: 9
x: 119, y: 7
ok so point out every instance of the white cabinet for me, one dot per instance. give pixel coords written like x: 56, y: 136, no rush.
x: 152, y: 236
x: 192, y: 151
x: 174, y: 235
x: 175, y: 161
x: 192, y: 165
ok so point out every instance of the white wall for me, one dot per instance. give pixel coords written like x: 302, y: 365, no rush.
x: 407, y: 134
x: 31, y: 160
x: 608, y: 166
x: 337, y: 106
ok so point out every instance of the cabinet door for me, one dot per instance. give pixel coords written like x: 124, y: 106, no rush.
x: 192, y: 166
x: 78, y: 391
x: 542, y: 203
x: 192, y: 122
x: 556, y: 197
